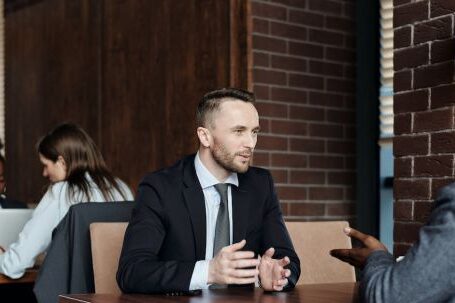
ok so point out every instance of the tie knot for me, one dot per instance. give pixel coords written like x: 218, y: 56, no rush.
x: 222, y: 188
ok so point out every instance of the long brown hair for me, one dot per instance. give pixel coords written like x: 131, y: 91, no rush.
x: 81, y: 156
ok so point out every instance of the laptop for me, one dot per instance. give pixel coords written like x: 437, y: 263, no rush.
x: 11, y: 223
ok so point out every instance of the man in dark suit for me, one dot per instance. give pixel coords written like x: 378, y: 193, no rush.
x: 4, y: 201
x: 210, y: 220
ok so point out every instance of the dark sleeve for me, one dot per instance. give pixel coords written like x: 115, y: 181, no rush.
x: 427, y: 273
x: 276, y: 235
x: 140, y: 268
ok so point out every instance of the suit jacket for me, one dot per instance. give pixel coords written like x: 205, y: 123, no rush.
x: 167, y: 231
x: 427, y: 273
x: 9, y: 203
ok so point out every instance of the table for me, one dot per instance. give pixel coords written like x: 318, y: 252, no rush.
x: 29, y: 277
x: 316, y: 293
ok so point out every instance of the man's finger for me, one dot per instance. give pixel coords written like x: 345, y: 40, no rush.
x: 269, y: 252
x: 242, y: 263
x: 284, y: 261
x: 235, y: 247
x: 245, y: 273
x: 242, y: 280
x: 354, y: 233
x: 237, y: 255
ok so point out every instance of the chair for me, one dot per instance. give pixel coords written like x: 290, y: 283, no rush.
x: 107, y: 241
x: 67, y: 268
x: 312, y: 242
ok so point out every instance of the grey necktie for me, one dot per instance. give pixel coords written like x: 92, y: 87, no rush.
x: 222, y: 230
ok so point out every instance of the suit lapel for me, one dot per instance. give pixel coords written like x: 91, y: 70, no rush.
x: 195, y: 204
x: 240, y: 212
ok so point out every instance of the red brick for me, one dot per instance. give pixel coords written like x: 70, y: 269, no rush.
x: 289, y: 160
x: 402, y: 37
x: 337, y: 23
x: 402, y: 211
x: 433, y: 120
x: 411, y: 57
x: 300, y: 81
x: 411, y: 189
x: 269, y: 44
x: 442, y: 96
x: 325, y: 37
x: 433, y: 75
x: 269, y: 76
x: 338, y: 85
x: 442, y: 50
x: 289, y: 63
x: 325, y: 193
x: 279, y: 175
x: 433, y: 30
x: 288, y: 31
x: 261, y: 59
x: 441, y: 7
x: 349, y: 193
x: 341, y: 209
x: 307, y: 113
x: 326, y: 68
x: 293, y: 3
x: 443, y: 142
x: 284, y: 208
x: 349, y: 131
x: 306, y: 49
x: 350, y: 41
x: 402, y: 81
x: 422, y: 211
x: 272, y: 109
x: 326, y: 6
x: 410, y: 145
x: 341, y: 116
x: 306, y: 209
x: 291, y: 193
x: 306, y: 145
x: 261, y: 92
x: 341, y: 147
x: 410, y: 13
x: 410, y: 102
x: 339, y: 54
x: 433, y: 166
x: 289, y: 127
x: 268, y: 11
x: 400, y: 249
x: 261, y: 159
x: 325, y: 130
x: 402, y: 124
x: 265, y: 125
x: 261, y: 26
x: 307, y: 177
x: 438, y: 183
x: 400, y: 2
x: 289, y: 95
x: 402, y: 167
x: 272, y: 143
x: 349, y: 71
x: 406, y: 232
x: 326, y: 162
x: 346, y: 178
x: 306, y: 18
x: 349, y: 10
x: 326, y: 99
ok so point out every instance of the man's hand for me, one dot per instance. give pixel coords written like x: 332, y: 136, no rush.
x: 232, y: 266
x: 358, y: 256
x: 272, y: 274
x: 2, y: 250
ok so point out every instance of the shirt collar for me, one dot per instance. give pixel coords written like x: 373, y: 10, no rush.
x: 206, y: 179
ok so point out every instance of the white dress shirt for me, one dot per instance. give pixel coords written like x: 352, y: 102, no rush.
x: 212, y: 204
x: 37, y: 232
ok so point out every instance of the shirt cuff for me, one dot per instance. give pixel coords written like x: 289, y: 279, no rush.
x: 200, y: 275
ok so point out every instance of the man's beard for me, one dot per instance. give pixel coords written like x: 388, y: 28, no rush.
x: 226, y: 160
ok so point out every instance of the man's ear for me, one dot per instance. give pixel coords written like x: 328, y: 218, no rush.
x: 205, y: 138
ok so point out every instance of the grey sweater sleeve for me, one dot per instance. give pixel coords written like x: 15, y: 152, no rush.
x: 427, y: 273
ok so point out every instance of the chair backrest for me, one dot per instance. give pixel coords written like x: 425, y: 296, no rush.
x: 107, y: 241
x: 312, y: 242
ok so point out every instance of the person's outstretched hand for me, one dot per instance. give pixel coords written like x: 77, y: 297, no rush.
x: 272, y: 274
x: 358, y: 256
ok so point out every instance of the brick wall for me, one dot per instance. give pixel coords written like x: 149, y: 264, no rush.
x: 304, y: 79
x: 424, y: 84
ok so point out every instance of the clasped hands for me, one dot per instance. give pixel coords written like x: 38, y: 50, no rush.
x: 233, y: 266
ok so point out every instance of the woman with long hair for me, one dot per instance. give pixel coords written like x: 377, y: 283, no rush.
x: 77, y: 173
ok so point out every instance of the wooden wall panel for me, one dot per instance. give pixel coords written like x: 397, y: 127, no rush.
x: 130, y: 71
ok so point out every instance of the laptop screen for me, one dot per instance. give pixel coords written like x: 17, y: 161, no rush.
x: 11, y: 223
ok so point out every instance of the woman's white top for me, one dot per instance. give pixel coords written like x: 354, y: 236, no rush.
x: 37, y: 233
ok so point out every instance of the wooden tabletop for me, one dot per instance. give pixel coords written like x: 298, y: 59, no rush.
x: 316, y: 293
x: 28, y: 277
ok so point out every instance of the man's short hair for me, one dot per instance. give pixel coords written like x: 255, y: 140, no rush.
x: 211, y: 102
